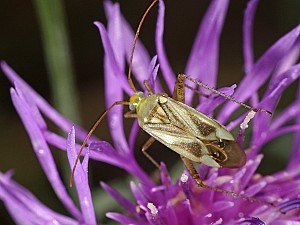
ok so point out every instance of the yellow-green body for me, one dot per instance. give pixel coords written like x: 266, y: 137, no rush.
x: 188, y: 132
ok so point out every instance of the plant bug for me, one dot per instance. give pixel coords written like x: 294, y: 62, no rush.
x: 194, y: 136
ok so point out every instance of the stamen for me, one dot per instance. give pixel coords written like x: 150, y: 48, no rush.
x: 185, y: 185
x: 244, y: 125
x: 153, y: 218
x: 153, y: 209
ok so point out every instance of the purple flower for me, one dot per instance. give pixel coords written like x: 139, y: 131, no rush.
x: 181, y: 202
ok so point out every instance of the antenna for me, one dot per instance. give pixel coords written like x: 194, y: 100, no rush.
x: 93, y: 128
x: 134, y: 44
x: 95, y: 125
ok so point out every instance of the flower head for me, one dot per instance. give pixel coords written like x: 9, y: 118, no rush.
x: 182, y: 202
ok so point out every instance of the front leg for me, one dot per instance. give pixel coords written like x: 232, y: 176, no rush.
x: 149, y: 142
x: 130, y: 115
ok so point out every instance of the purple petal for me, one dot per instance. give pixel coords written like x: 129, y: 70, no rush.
x: 81, y: 180
x: 109, y: 53
x: 31, y: 97
x: 275, y: 133
x: 41, y: 103
x: 26, y: 208
x: 58, y: 141
x: 106, y: 153
x: 17, y: 214
x: 133, y: 134
x: 287, y: 114
x: 124, y: 219
x: 153, y: 193
x: 203, y: 61
x: 251, y: 167
x: 286, y: 222
x: 115, y: 82
x: 210, y: 181
x: 141, y: 57
x: 17, y: 210
x: 170, y: 214
x: 160, y: 49
x: 261, y: 71
x: 164, y: 175
x: 125, y: 203
x: 296, y: 142
x: 282, y: 176
x: 278, y: 85
x: 270, y: 99
x: 113, y: 93
x: 255, y: 189
x: 153, y: 70
x: 97, y: 150
x: 140, y: 198
x: 42, y: 151
x: 210, y: 104
x: 287, y: 188
x: 247, y: 37
x: 289, y: 60
x: 101, y: 151
x: 222, y: 205
x: 114, y: 32
x: 94, y: 153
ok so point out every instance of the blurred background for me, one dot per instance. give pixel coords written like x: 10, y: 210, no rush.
x: 22, y: 48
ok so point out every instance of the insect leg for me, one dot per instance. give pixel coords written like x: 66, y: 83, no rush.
x: 130, y: 114
x: 145, y: 147
x: 183, y: 76
x: 178, y: 95
x: 148, y: 143
x: 193, y: 172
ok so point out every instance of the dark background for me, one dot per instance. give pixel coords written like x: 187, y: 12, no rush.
x: 20, y: 46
